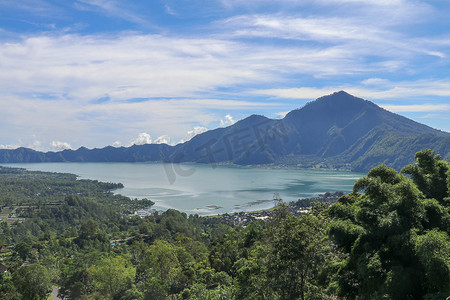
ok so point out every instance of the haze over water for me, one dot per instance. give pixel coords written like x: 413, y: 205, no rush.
x: 204, y: 189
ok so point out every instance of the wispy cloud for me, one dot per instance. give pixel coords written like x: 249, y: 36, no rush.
x: 114, y: 9
x: 122, y: 67
x: 40, y: 7
x: 145, y: 66
x: 170, y: 10
x: 435, y: 116
x: 372, y: 88
x: 296, y: 93
x: 355, y: 35
x: 417, y: 107
x: 327, y: 30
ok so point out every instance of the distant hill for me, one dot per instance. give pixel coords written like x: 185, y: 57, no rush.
x: 334, y: 131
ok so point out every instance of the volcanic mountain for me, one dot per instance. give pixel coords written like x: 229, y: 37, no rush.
x: 334, y: 131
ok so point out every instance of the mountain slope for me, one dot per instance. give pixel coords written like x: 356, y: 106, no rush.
x: 340, y: 129
x: 334, y: 131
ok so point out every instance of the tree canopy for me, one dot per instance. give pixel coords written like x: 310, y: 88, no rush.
x: 388, y: 239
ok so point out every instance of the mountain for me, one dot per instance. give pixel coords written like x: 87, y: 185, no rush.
x: 334, y: 131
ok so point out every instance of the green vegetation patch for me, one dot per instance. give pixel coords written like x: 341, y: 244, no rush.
x: 389, y: 239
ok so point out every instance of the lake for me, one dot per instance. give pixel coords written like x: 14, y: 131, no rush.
x: 206, y: 189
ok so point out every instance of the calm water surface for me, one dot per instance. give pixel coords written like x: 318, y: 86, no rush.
x: 205, y: 190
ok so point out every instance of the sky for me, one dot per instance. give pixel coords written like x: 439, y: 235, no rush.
x: 107, y: 72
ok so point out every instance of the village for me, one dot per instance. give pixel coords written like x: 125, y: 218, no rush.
x: 295, y: 208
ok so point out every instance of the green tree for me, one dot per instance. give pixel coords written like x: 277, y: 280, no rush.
x: 385, y: 232
x: 430, y: 174
x: 252, y: 274
x: 32, y: 281
x: 112, y: 275
x: 299, y: 251
x: 75, y: 279
x: 89, y: 229
x: 160, y: 268
x: 433, y: 251
x: 23, y: 249
x: 200, y: 292
x: 390, y: 208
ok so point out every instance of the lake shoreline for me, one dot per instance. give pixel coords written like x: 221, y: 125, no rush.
x: 206, y: 189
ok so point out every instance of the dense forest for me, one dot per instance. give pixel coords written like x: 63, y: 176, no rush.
x: 389, y: 239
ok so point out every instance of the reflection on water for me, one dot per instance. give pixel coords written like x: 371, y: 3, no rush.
x: 207, y: 190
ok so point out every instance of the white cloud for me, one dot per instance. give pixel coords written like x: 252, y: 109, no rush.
x: 326, y: 29
x: 96, y: 125
x: 375, y: 81
x: 437, y: 54
x: 164, y: 139
x: 404, y: 89
x: 43, y: 8
x: 57, y: 145
x: 436, y: 116
x: 169, y: 10
x: 357, y: 31
x: 372, y: 2
x: 117, y: 144
x: 122, y: 67
x: 281, y: 114
x: 132, y: 66
x: 33, y: 144
x: 113, y: 8
x: 374, y: 88
x: 296, y: 93
x: 9, y: 147
x: 228, y: 121
x: 197, y: 130
x: 142, y: 139
x: 36, y: 145
x: 417, y: 107
x: 229, y: 3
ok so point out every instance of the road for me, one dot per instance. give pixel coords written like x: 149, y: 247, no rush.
x: 55, y: 294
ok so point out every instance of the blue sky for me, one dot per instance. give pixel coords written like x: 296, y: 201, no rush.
x: 107, y: 72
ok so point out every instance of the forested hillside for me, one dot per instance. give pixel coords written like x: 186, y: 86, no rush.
x: 389, y: 239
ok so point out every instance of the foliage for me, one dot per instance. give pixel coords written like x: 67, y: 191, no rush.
x: 389, y: 239
x: 32, y: 281
x: 430, y: 174
x: 397, y: 240
x: 111, y: 275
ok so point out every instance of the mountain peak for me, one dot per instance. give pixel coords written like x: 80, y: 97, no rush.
x: 337, y: 104
x: 340, y: 96
x: 341, y: 93
x: 252, y: 120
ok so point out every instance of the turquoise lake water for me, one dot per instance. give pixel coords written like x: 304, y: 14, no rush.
x: 204, y: 189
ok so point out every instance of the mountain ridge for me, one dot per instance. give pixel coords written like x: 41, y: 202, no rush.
x: 333, y: 131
